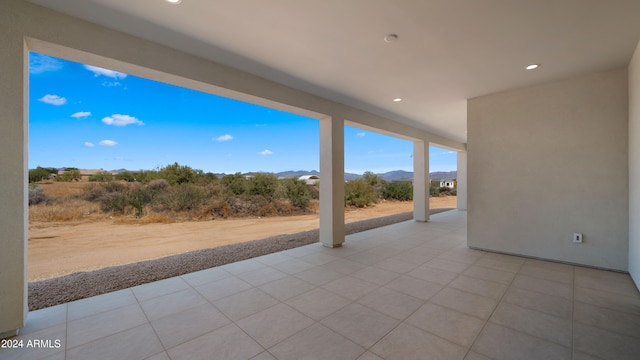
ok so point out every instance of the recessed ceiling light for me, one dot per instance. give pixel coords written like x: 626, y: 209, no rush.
x: 391, y: 38
x: 532, y: 66
x: 397, y: 99
x: 175, y: 2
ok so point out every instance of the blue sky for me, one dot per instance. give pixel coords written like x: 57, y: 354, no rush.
x: 92, y: 118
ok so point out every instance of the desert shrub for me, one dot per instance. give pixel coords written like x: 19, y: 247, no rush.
x: 359, y: 193
x: 158, y: 185
x: 236, y: 183
x: 40, y: 173
x: 314, y: 190
x: 115, y: 202
x: 434, y: 185
x: 263, y: 184
x: 398, y: 190
x: 139, y: 197
x: 127, y: 176
x: 177, y: 174
x: 70, y: 174
x: 183, y: 198
x: 101, y: 176
x: 259, y: 205
x: 37, y: 195
x: 220, y: 209
x: 444, y: 191
x: 296, y: 191
x: 206, y: 178
x: 94, y: 192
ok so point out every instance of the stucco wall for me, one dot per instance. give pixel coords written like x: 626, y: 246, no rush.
x: 547, y: 161
x: 634, y: 167
x: 13, y: 162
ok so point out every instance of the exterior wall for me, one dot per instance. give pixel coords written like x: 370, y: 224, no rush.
x: 550, y: 160
x: 462, y: 181
x: 634, y: 167
x: 13, y: 162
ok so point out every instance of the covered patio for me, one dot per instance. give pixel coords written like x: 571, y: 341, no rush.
x: 406, y: 291
x: 541, y: 156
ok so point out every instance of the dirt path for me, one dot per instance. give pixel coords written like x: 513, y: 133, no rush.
x: 64, y: 249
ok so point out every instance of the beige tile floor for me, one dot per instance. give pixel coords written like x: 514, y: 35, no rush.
x: 406, y: 291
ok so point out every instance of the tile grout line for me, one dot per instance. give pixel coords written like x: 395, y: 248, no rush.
x: 475, y: 340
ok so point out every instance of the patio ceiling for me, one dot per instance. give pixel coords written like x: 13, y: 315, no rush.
x: 447, y: 50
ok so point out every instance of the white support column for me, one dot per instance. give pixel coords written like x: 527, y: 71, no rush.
x: 331, y: 182
x: 462, y: 180
x: 421, y: 181
x: 13, y: 192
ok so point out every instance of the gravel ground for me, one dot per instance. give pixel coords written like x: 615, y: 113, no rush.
x: 86, y: 284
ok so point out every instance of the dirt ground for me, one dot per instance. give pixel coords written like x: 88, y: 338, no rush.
x: 59, y: 249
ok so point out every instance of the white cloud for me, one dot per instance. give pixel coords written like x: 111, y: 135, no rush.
x: 266, y: 152
x: 225, y: 137
x: 107, y: 143
x: 53, y: 100
x: 361, y: 134
x: 98, y: 71
x: 89, y: 144
x: 81, y: 114
x: 448, y: 153
x: 39, y: 63
x: 121, y: 120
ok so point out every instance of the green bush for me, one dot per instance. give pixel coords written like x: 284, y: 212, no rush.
x: 70, y: 174
x: 114, y: 202
x: 177, y: 174
x: 139, y: 197
x: 96, y: 192
x: 183, y: 198
x: 296, y: 191
x: 101, y: 176
x: 40, y: 173
x: 127, y: 176
x: 263, y: 184
x: 434, y: 185
x: 359, y: 193
x: 236, y: 183
x: 398, y: 190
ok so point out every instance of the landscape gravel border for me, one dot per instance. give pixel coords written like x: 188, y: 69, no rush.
x: 82, y: 285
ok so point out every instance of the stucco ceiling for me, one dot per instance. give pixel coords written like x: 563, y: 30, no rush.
x: 447, y: 50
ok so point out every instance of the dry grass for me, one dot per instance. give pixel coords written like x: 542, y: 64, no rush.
x: 71, y: 210
x: 63, y: 189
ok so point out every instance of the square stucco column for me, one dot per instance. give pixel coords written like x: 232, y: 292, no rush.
x: 13, y: 199
x: 421, y: 181
x: 462, y: 180
x: 331, y: 182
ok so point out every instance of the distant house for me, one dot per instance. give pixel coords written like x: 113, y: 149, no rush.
x: 310, y: 179
x: 451, y: 184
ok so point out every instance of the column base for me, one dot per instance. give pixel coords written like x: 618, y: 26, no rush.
x: 9, y: 334
x: 332, y: 245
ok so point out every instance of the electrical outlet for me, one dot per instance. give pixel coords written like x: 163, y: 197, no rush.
x: 577, y: 238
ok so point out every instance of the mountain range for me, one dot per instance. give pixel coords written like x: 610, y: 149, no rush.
x: 396, y: 175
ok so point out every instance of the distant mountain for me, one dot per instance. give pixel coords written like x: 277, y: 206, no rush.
x: 297, y: 173
x: 351, y: 176
x: 443, y: 175
x: 397, y: 175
